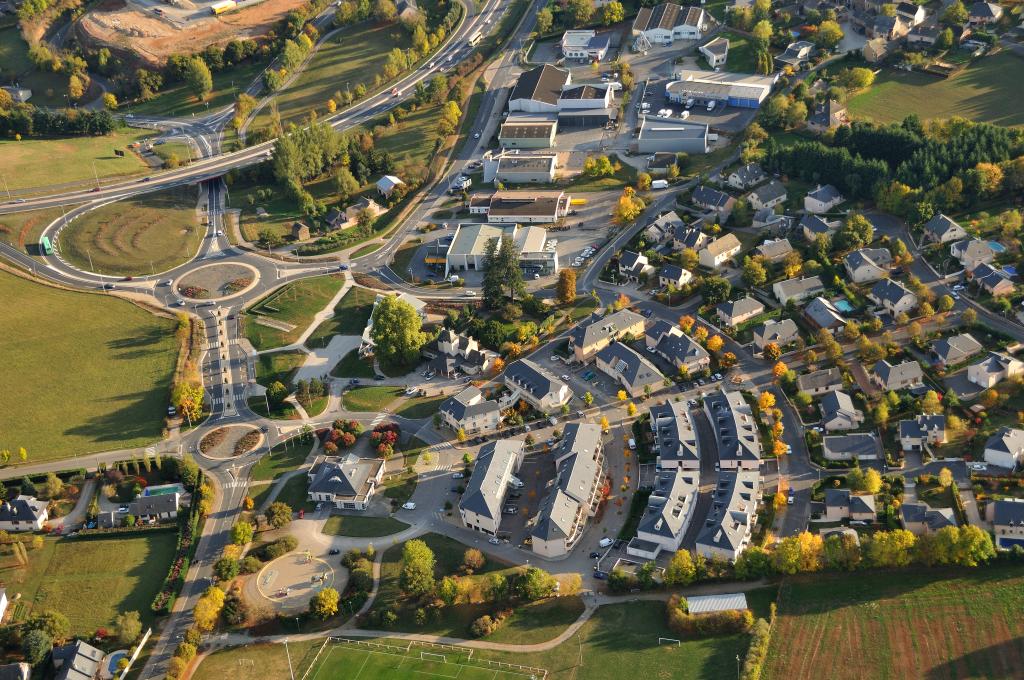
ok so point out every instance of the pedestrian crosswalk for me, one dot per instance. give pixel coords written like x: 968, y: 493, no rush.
x: 237, y: 484
x: 378, y: 419
x: 442, y: 446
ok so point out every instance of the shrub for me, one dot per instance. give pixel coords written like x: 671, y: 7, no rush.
x: 249, y: 565
x: 700, y: 625
x: 185, y: 651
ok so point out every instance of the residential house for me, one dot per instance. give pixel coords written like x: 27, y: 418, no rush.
x: 536, y: 386
x: 774, y: 250
x: 674, y: 437
x: 718, y: 252
x: 812, y: 225
x: 912, y: 13
x: 667, y: 22
x: 993, y: 281
x: 824, y: 314
x: 669, y: 512
x: 674, y: 346
x: 798, y: 289
x: 1007, y: 517
x: 782, y: 333
x: 300, y: 232
x: 663, y: 228
x: 387, y: 184
x: 1005, y: 447
x: 888, y: 28
x: 767, y: 195
x: 714, y: 200
x: 674, y: 275
x: 771, y: 221
x: 841, y: 504
x: 993, y: 369
x: 481, y: 505
x: 634, y: 266
x: 923, y: 430
x: 365, y: 203
x: 76, y: 660
x: 839, y: 413
x: 735, y: 312
x: 470, y: 412
x: 920, y: 518
x: 574, y: 494
x: 973, y: 252
x: 739, y: 446
x: 634, y: 372
x: 157, y: 502
x: 859, y: 446
x: 746, y: 176
x: 868, y: 264
x: 452, y: 352
x: 689, y: 237
x: 941, y: 229
x: 820, y: 382
x: 408, y: 11
x: 984, y: 13
x: 955, y: 349
x: 893, y: 297
x: 899, y: 376
x: 827, y: 115
x: 727, y: 530
x: 346, y: 482
x: 822, y: 199
x: 796, y: 54
x: 716, y: 51
x: 24, y: 513
x: 923, y: 35
x: 594, y: 334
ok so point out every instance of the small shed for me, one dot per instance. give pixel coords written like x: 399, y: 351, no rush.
x: 705, y: 604
x: 300, y: 232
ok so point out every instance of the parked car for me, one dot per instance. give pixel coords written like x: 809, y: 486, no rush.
x: 510, y: 510
x: 605, y: 542
x: 334, y: 551
x: 594, y: 555
x: 600, y: 575
x: 409, y: 505
x: 494, y: 540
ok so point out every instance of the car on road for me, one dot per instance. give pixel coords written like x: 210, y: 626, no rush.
x: 342, y: 267
x: 789, y: 498
x: 494, y: 540
x: 717, y: 376
x: 647, y: 313
x: 978, y: 467
x: 171, y: 411
x: 594, y: 555
x: 379, y: 378
x: 458, y: 475
x: 145, y: 179
x: 409, y: 505
x: 476, y: 135
x: 334, y: 551
x: 605, y: 542
x: 219, y: 232
x: 469, y: 293
x: 109, y: 286
x: 122, y: 508
x: 353, y: 381
x: 179, y: 303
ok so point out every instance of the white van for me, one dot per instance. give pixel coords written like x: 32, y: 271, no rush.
x: 632, y: 444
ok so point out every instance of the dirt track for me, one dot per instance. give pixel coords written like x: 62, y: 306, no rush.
x: 153, y: 39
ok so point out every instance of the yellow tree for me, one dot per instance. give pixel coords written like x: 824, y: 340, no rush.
x: 772, y: 352
x: 631, y: 409
x: 686, y: 323
x: 777, y: 429
x: 779, y: 369
x: 779, y: 500
x: 605, y: 426
x: 715, y: 343
x: 766, y: 400
x: 779, y: 448
x: 701, y: 334
x: 622, y: 395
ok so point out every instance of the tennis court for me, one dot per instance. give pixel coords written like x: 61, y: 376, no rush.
x: 365, y: 660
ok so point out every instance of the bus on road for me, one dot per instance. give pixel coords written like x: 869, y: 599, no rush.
x: 475, y: 39
x: 44, y: 245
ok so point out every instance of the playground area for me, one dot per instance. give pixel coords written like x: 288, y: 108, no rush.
x: 290, y: 581
x: 347, y: 659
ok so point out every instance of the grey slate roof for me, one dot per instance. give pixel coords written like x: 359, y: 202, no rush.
x: 825, y: 193
x: 488, y: 484
x: 935, y: 518
x: 343, y: 476
x: 769, y: 192
x: 670, y: 504
x: 1008, y: 513
x: 597, y: 327
x: 836, y: 402
x: 577, y: 472
x: 815, y: 224
x: 745, y: 305
x: 774, y: 250
x: 671, y: 271
x: 938, y: 226
x: 1006, y: 439
x: 556, y: 516
x: 543, y: 84
x: 780, y: 332
x: 635, y: 369
x: 733, y: 422
x: 22, y: 509
x: 920, y: 426
x: 734, y: 503
x: 674, y: 435
x: 957, y: 348
x: 155, y: 505
x: 856, y: 445
x: 899, y: 375
x: 842, y: 498
x: 681, y: 349
x: 77, y: 660
x: 826, y: 377
x: 709, y: 198
x: 825, y: 314
x: 879, y: 258
x: 748, y: 174
x: 532, y: 378
x: 460, y: 408
x: 799, y: 288
x: 888, y: 290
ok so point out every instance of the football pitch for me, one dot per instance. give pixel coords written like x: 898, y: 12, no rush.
x: 365, y: 660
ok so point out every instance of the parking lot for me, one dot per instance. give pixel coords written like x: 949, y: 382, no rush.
x: 727, y: 119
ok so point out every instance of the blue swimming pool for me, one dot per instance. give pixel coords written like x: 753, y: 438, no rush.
x: 113, y: 659
x: 997, y: 246
x: 843, y: 305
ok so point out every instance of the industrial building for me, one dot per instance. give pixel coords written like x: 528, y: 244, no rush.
x: 671, y: 134
x: 528, y: 132
x: 584, y: 45
x: 549, y: 90
x: 667, y: 22
x: 521, y: 207
x: 700, y: 88
x: 512, y: 167
x: 469, y: 246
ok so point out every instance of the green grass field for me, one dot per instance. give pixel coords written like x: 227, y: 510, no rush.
x: 350, y: 317
x: 420, y: 407
x: 352, y: 366
x: 295, y: 304
x: 178, y: 101
x: 140, y: 235
x: 377, y: 661
x: 282, y: 211
x: 353, y: 56
x: 278, y: 367
x: 371, y: 398
x: 281, y: 459
x: 76, y: 155
x: 48, y: 88
x: 362, y: 527
x: 905, y: 624
x: 741, y: 53
x: 23, y: 229
x: 294, y: 494
x: 115, y: 396
x: 91, y: 581
x: 988, y: 90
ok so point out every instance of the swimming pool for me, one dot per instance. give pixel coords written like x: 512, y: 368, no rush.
x: 843, y: 305
x: 163, y: 490
x: 997, y: 246
x: 113, y: 659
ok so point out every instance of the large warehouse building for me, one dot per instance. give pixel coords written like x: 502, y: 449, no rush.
x: 549, y: 90
x: 469, y: 246
x: 671, y: 134
x: 732, y: 89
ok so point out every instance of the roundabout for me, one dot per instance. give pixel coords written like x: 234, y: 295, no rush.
x: 288, y: 582
x: 221, y: 281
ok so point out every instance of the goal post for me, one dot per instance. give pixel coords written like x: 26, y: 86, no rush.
x: 432, y: 656
x: 668, y: 641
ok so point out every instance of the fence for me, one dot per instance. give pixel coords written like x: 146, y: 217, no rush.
x: 135, y: 654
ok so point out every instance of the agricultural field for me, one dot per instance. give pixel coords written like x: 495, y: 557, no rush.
x: 923, y: 624
x: 986, y: 91
x: 291, y: 309
x: 140, y: 235
x: 59, y: 573
x: 22, y: 168
x: 117, y: 395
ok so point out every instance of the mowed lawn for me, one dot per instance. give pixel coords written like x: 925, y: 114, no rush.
x: 140, y: 235
x: 45, y: 162
x: 352, y: 57
x: 371, y: 398
x: 362, y: 527
x: 988, y: 90
x: 741, y: 53
x: 90, y: 581
x: 926, y: 624
x: 295, y: 305
x: 84, y: 372
x: 23, y: 229
x: 350, y: 317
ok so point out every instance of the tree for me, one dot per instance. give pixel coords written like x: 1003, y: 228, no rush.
x: 51, y: 622
x: 588, y: 399
x: 197, y: 77
x: 754, y: 272
x: 969, y: 317
x: 772, y: 352
x: 686, y: 323
x: 448, y: 590
x: 279, y: 514
x: 535, y: 584
x: 52, y: 486
x: 715, y: 343
x: 188, y: 399
x: 715, y: 289
x: 36, y: 645
x: 829, y: 34
x: 930, y: 403
x: 473, y: 559
x: 681, y: 570
x: 643, y: 182
x: 612, y: 13
x: 581, y: 11
x: 346, y: 183
x: 779, y: 369
x: 324, y: 604
x: 766, y: 400
x: 110, y: 101
x: 628, y: 207
x: 417, y: 576
x: 545, y: 19
x: 384, y: 10
x: 566, y: 286
x: 396, y: 331
x: 631, y: 409
x: 605, y: 425
x: 955, y: 15
x: 129, y: 627
x: 226, y: 568
x: 945, y: 478
x: 762, y: 33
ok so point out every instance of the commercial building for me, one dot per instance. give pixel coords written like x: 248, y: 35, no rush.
x: 584, y: 45
x: 671, y: 134
x: 667, y: 22
x: 522, y: 207
x: 480, y: 506
x: 538, y: 90
x: 468, y: 248
x: 730, y: 523
x: 524, y: 132
x: 732, y: 419
x: 700, y: 88
x: 517, y: 168
x: 346, y: 482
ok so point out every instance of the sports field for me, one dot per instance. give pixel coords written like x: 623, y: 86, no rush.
x: 85, y: 372
x: 70, y: 159
x: 141, y: 235
x: 931, y: 625
x: 988, y: 90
